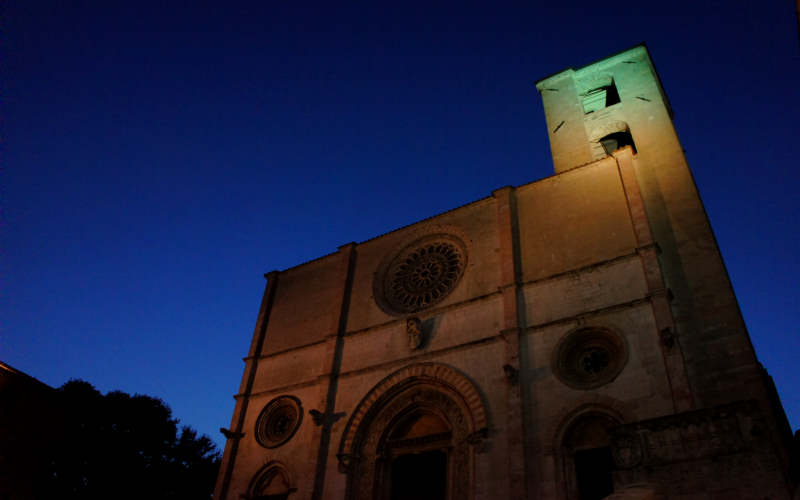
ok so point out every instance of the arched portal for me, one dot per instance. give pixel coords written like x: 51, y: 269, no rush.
x: 587, y: 463
x: 414, y: 456
x: 414, y: 436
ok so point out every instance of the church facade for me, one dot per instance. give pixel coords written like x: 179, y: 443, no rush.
x: 572, y: 338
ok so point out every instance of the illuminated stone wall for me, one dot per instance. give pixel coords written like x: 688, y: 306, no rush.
x: 534, y: 324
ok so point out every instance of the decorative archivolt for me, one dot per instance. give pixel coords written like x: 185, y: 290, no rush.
x: 421, y: 389
x: 434, y: 373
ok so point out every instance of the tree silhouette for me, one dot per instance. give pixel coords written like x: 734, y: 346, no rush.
x: 123, y: 446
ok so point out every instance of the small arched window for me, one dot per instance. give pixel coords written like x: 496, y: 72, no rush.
x: 271, y: 483
x: 617, y: 140
x: 609, y: 137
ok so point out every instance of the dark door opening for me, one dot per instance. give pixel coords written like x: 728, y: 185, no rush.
x: 420, y: 476
x: 593, y: 471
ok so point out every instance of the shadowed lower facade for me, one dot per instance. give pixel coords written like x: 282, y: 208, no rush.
x: 572, y: 338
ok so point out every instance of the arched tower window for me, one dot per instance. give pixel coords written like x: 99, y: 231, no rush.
x: 609, y: 137
x: 617, y: 140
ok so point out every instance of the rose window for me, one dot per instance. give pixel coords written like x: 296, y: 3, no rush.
x: 423, y: 273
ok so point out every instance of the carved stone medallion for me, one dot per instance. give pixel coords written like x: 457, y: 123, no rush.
x: 589, y: 357
x: 278, y: 421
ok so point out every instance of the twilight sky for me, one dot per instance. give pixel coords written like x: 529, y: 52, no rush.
x: 158, y: 158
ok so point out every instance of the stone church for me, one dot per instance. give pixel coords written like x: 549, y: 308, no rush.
x: 572, y: 338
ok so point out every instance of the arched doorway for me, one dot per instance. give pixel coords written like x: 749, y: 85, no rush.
x: 413, y: 436
x: 416, y: 450
x: 586, y: 454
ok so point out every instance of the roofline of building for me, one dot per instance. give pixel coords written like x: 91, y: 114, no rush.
x: 633, y: 47
x: 437, y: 215
x: 570, y: 68
x: 5, y: 367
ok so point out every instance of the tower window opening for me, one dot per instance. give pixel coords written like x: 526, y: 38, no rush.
x: 617, y: 140
x: 600, y: 97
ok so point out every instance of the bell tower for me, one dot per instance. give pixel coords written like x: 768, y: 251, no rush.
x: 599, y: 108
x: 615, y: 105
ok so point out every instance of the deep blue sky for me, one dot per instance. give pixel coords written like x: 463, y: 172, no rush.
x: 158, y: 159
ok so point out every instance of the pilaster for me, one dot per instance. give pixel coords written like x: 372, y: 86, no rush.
x: 328, y: 380
x: 513, y: 324
x: 668, y: 340
x: 250, y: 369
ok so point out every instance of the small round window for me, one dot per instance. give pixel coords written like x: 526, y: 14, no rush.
x: 278, y: 421
x: 589, y: 358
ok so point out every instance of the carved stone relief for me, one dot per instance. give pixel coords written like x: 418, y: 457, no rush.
x: 414, y: 332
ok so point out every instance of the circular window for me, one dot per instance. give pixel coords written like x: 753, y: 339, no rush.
x: 589, y: 357
x: 278, y: 421
x: 422, y: 274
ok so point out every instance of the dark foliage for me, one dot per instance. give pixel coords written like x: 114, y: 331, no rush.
x: 123, y: 446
